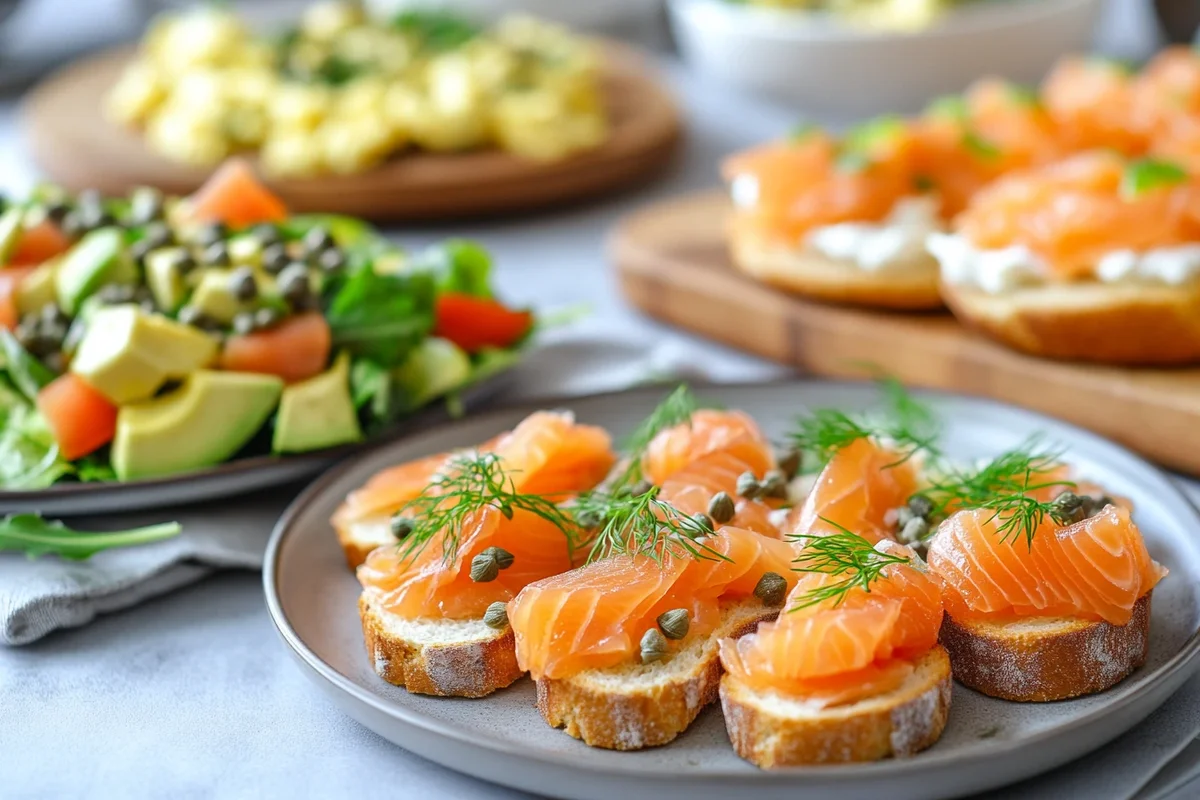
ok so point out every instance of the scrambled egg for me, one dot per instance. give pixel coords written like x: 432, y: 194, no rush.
x: 343, y: 92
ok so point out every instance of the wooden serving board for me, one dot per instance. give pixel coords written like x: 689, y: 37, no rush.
x: 77, y: 146
x: 673, y: 264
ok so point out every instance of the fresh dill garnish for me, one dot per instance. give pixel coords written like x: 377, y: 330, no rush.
x: 639, y: 523
x: 905, y: 423
x: 1004, y: 484
x: 844, y: 553
x: 468, y: 484
x: 675, y: 409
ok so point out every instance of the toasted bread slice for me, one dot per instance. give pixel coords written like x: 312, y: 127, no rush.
x: 450, y: 658
x: 912, y: 285
x: 1134, y: 323
x: 772, y: 730
x: 1043, y: 659
x: 632, y: 706
x: 358, y: 539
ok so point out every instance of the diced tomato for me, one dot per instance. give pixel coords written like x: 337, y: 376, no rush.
x: 235, y: 196
x: 10, y: 281
x: 82, y: 419
x: 295, y: 349
x: 39, y: 243
x: 473, y: 323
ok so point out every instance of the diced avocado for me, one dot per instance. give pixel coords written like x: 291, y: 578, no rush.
x: 214, y: 296
x: 164, y: 277
x: 11, y: 227
x: 203, y: 422
x: 98, y: 258
x: 128, y: 354
x: 317, y: 412
x: 37, y: 289
x: 432, y: 369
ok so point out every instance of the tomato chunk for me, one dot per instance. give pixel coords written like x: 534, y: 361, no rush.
x: 40, y: 243
x: 473, y: 323
x: 295, y: 349
x: 10, y: 281
x: 81, y: 419
x: 235, y: 196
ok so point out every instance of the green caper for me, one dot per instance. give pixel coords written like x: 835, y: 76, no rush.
x: 748, y: 486
x: 904, y: 515
x: 920, y: 506
x: 215, y: 255
x: 275, y: 258
x: 294, y: 285
x: 503, y: 558
x: 57, y: 209
x: 1068, y: 508
x: 317, y: 240
x: 654, y: 646
x: 52, y: 313
x: 771, y: 589
x: 267, y: 317
x: 401, y: 526
x: 789, y: 462
x: 210, y: 233
x: 331, y: 260
x: 496, y: 616
x: 721, y: 508
x: 703, y: 523
x: 484, y: 568
x: 243, y: 323
x: 190, y: 315
x: 184, y: 262
x: 914, y: 530
x: 243, y: 284
x: 674, y: 623
x: 774, y: 484
x: 588, y: 519
x: 266, y: 234
x: 145, y: 205
x: 1094, y: 505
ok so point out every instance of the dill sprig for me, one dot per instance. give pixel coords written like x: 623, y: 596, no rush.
x: 1004, y: 484
x: 905, y: 423
x: 468, y: 484
x: 842, y: 553
x: 675, y: 409
x: 639, y: 523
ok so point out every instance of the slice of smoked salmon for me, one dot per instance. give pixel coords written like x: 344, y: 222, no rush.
x: 1095, y: 569
x: 595, y: 616
x: 386, y: 491
x: 692, y: 489
x: 1091, y: 103
x: 834, y: 653
x: 546, y: 454
x: 706, y: 433
x: 856, y: 489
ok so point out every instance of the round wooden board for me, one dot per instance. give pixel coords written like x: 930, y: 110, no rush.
x: 77, y: 146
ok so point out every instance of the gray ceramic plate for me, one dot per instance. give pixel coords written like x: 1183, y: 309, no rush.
x: 988, y: 743
x: 236, y: 477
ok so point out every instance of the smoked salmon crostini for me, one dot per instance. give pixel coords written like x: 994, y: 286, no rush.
x: 486, y: 524
x: 851, y: 670
x: 1096, y: 258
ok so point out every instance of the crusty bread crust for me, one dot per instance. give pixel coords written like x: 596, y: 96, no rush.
x: 644, y: 713
x: 1128, y: 323
x: 1042, y: 660
x: 356, y: 552
x: 449, y: 669
x: 912, y: 286
x: 766, y: 730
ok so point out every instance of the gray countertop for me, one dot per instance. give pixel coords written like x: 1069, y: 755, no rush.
x: 192, y: 695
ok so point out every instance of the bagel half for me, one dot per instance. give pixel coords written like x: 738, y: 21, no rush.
x: 1125, y: 323
x: 909, y: 286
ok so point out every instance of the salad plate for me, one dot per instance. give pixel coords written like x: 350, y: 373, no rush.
x: 988, y: 743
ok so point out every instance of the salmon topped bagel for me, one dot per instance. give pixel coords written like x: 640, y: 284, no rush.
x: 1057, y: 609
x: 851, y: 670
x: 482, y: 528
x: 841, y: 220
x: 1096, y: 257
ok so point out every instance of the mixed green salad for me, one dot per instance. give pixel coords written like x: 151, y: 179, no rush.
x: 147, y: 336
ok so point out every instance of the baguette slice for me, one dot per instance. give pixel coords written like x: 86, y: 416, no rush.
x: 771, y: 730
x: 1043, y: 659
x: 358, y: 539
x: 909, y: 286
x: 1135, y: 323
x: 449, y: 658
x: 632, y: 706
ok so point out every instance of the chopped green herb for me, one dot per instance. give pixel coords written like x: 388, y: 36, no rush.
x: 436, y: 30
x: 1148, y: 174
x: 638, y: 523
x: 35, y: 536
x: 842, y: 553
x: 980, y: 147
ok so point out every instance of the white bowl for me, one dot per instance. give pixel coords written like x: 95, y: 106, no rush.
x: 575, y: 13
x: 828, y: 68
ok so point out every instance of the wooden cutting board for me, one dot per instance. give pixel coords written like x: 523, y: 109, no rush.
x: 672, y: 263
x: 76, y: 145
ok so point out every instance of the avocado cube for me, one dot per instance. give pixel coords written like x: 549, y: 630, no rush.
x: 128, y: 354
x: 97, y: 259
x: 38, y: 290
x: 164, y: 277
x: 434, y: 368
x: 318, y: 412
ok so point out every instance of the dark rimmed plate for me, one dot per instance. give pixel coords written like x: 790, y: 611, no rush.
x: 988, y: 743
x: 233, y: 478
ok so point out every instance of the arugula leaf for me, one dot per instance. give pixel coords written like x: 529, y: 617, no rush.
x: 29, y: 456
x: 27, y: 373
x: 1147, y: 174
x: 372, y: 388
x: 35, y: 536
x: 459, y: 265
x: 92, y: 469
x: 381, y: 317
